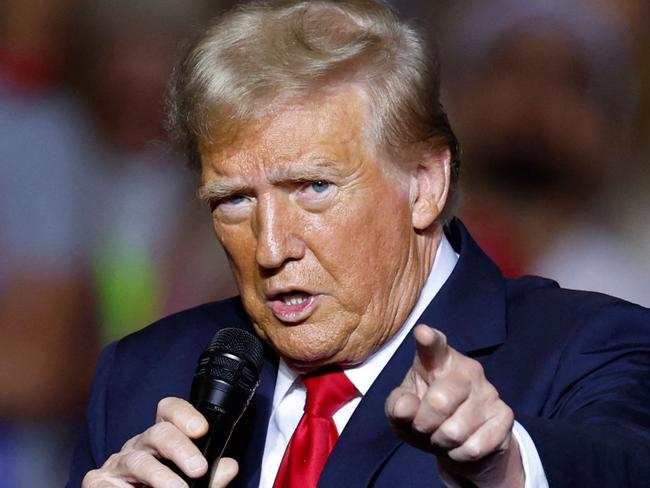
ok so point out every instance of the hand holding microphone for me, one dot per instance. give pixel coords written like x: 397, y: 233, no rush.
x: 225, y: 380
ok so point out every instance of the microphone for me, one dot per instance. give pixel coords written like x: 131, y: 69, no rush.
x: 227, y: 374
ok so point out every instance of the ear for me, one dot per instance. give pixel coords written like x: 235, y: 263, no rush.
x: 429, y: 188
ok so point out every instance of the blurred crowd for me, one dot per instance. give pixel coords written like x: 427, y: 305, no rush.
x: 100, y: 232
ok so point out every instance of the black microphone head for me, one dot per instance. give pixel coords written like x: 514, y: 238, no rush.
x: 233, y: 357
x: 240, y: 343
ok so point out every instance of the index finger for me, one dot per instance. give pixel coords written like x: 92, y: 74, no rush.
x: 431, y: 347
x: 183, y: 415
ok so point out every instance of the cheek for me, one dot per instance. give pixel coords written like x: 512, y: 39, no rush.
x: 366, y: 243
x: 239, y: 245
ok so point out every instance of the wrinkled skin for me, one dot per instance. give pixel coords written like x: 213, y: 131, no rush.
x: 330, y: 244
x: 303, y: 204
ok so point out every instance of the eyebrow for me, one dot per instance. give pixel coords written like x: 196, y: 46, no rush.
x: 317, y: 169
x: 217, y: 190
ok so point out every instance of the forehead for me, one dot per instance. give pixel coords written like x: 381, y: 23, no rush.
x: 331, y: 126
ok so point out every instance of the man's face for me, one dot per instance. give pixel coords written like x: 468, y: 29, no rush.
x: 318, y: 231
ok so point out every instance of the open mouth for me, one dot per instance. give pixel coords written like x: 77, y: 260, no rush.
x: 292, y: 306
x: 294, y: 298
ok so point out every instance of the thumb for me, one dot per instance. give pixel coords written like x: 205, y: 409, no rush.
x: 223, y: 472
x: 432, y: 350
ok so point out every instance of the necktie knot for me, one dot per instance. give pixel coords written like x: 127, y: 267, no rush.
x: 327, y: 391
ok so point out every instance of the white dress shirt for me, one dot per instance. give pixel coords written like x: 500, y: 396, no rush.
x: 290, y: 393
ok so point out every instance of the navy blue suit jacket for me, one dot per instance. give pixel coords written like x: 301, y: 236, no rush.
x: 574, y: 367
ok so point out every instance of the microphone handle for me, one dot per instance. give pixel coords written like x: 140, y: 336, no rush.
x: 211, y: 444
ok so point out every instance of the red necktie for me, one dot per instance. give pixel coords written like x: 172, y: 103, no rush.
x: 316, y: 434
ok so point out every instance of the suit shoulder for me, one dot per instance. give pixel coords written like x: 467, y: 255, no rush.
x: 187, y: 331
x: 196, y: 320
x: 562, y: 342
x: 540, y: 303
x: 535, y: 291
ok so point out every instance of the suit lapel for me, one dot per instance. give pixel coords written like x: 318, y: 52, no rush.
x: 470, y: 310
x: 368, y: 439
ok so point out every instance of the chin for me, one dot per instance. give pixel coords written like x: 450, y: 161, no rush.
x: 305, y: 361
x: 306, y: 346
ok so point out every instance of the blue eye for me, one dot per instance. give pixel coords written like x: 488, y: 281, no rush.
x: 235, y: 199
x: 320, y: 186
x: 231, y: 200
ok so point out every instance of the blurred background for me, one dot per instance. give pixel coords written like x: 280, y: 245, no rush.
x: 100, y: 233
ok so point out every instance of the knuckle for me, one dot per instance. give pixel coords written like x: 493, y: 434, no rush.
x: 391, y: 401
x: 165, y: 404
x: 441, y: 338
x: 177, y: 449
x: 422, y: 426
x: 113, y: 460
x: 91, y: 479
x: 100, y: 483
x: 161, y: 433
x: 130, y: 444
x: 508, y: 416
x: 501, y: 423
x: 474, y: 451
x: 439, y: 400
x: 451, y: 433
x: 488, y: 393
x: 135, y: 461
x: 475, y: 369
x: 492, y: 392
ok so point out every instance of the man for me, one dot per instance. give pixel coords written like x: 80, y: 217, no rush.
x: 330, y: 168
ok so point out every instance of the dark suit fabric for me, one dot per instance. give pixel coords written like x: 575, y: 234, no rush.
x: 574, y: 367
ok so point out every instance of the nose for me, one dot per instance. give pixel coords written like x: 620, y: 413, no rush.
x: 278, y: 240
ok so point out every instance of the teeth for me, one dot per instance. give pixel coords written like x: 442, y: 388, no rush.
x: 294, y: 299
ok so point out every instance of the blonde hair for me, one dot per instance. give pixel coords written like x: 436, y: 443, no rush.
x: 266, y: 51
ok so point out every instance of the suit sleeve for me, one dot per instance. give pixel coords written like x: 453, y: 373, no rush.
x: 596, y: 427
x: 90, y: 452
